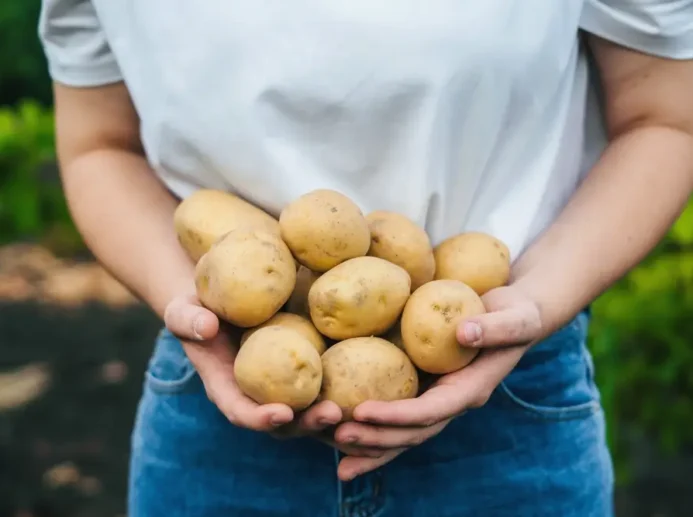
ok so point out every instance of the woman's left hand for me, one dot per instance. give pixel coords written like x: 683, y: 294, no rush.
x: 511, y: 325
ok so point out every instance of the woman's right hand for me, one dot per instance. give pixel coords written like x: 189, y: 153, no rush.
x: 212, y: 351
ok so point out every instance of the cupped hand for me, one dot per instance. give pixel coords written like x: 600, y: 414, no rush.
x: 319, y: 422
x: 511, y: 324
x: 211, y: 347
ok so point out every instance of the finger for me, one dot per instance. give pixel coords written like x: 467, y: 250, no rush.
x: 314, y: 420
x: 486, y: 372
x: 320, y: 416
x: 452, y: 394
x: 214, y: 362
x: 357, y: 452
x: 364, y: 435
x: 244, y: 412
x: 351, y: 466
x: 501, y: 328
x: 187, y: 319
x: 438, y: 403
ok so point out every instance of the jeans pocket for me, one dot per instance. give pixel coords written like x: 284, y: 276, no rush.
x: 169, y: 370
x: 555, y: 378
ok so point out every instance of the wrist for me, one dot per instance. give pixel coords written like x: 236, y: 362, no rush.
x: 554, y: 306
x: 163, y: 293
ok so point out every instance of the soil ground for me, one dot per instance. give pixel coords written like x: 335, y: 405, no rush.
x: 65, y: 453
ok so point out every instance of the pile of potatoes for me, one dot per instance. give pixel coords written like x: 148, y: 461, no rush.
x: 334, y: 304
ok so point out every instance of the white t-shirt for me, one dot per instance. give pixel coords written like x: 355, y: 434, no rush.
x: 463, y: 115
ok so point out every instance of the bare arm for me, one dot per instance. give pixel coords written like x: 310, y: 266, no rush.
x: 622, y: 209
x: 125, y: 215
x: 120, y: 207
x: 631, y: 197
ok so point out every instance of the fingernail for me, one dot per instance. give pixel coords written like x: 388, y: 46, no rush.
x: 277, y: 421
x: 324, y: 421
x: 197, y: 327
x: 472, y: 333
x: 349, y: 439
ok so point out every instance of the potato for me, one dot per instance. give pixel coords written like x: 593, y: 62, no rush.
x: 366, y: 368
x: 279, y: 365
x: 246, y: 277
x: 396, y: 238
x: 300, y: 324
x: 479, y: 260
x: 203, y: 217
x: 394, y: 336
x: 429, y: 325
x: 363, y: 296
x: 324, y: 228
x: 298, y: 301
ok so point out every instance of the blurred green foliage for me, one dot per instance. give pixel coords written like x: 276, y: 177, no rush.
x: 23, y: 71
x: 32, y: 205
x: 642, y: 342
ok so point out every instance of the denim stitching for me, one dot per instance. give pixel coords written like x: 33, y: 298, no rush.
x: 172, y: 386
x: 581, y: 410
x: 557, y: 413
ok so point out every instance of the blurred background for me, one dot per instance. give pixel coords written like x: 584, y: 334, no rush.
x: 74, y: 344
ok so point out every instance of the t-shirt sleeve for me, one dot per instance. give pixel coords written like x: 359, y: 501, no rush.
x: 660, y: 27
x: 75, y: 44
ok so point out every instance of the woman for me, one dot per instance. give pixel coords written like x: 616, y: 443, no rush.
x: 481, y: 116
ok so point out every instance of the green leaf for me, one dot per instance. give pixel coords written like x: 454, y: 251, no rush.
x: 682, y: 231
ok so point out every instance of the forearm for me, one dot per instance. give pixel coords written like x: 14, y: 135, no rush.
x: 125, y: 215
x: 620, y: 212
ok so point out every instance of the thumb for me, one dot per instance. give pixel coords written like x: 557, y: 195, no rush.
x: 188, y: 320
x: 507, y: 327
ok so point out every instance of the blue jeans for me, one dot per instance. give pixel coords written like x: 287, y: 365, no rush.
x: 537, y: 448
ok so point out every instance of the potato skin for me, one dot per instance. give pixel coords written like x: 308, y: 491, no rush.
x: 245, y: 277
x: 399, y: 240
x: 479, y: 260
x: 363, y: 296
x: 298, y: 301
x: 206, y: 215
x: 300, y: 324
x: 276, y: 364
x: 429, y: 324
x: 394, y: 336
x: 324, y: 228
x: 366, y: 368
